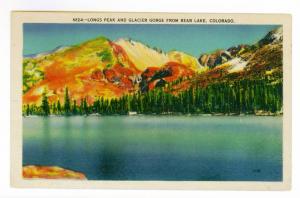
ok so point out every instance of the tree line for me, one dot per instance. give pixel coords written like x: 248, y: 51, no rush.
x: 238, y: 97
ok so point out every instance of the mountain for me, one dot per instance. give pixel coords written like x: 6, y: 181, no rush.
x: 273, y: 37
x: 259, y: 60
x: 98, y: 68
x: 238, y: 57
x: 144, y: 56
x: 141, y: 55
x: 101, y: 68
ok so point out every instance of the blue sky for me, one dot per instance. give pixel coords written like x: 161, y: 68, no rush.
x: 192, y: 39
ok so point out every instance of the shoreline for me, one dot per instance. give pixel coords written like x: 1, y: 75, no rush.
x: 262, y: 114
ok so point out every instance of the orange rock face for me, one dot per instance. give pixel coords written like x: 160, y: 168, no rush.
x: 51, y: 172
x: 87, y: 75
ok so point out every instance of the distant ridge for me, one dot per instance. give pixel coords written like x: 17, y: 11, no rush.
x: 58, y: 48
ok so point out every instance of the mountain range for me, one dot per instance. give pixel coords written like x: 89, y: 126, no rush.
x: 111, y: 69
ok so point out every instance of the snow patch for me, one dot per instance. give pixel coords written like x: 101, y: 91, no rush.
x: 278, y: 35
x: 141, y: 55
x: 237, y: 64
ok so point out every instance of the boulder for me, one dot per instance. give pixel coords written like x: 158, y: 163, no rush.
x: 51, y: 172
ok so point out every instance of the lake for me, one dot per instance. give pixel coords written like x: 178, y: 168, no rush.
x: 192, y: 148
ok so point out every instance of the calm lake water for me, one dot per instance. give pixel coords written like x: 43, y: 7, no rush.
x: 214, y: 148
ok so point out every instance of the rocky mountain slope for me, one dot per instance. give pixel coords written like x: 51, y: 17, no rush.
x: 260, y: 60
x: 111, y: 69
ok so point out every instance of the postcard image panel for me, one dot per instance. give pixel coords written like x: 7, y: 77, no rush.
x: 151, y: 100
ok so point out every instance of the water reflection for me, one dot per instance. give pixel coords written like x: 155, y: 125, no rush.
x: 158, y: 148
x: 67, y: 139
x: 46, y: 138
x: 111, y: 162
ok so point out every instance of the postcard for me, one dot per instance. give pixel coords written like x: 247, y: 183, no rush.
x: 151, y: 100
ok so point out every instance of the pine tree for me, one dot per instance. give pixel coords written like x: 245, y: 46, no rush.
x: 67, y: 105
x: 45, y: 105
x: 74, y: 108
x: 53, y: 109
x: 58, y: 107
x: 28, y: 110
x: 85, y: 107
